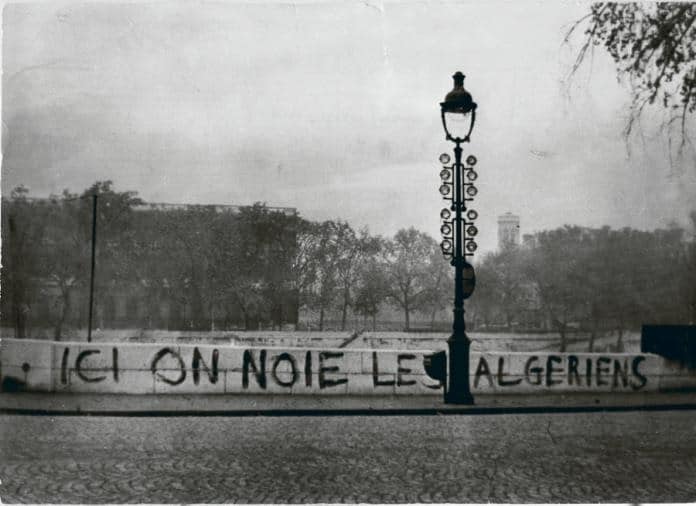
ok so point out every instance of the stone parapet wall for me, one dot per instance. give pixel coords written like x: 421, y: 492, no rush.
x: 188, y: 368
x: 132, y: 368
x: 577, y: 372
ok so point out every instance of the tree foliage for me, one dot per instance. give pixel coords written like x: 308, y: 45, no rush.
x: 408, y: 260
x: 255, y: 267
x: 372, y: 288
x: 654, y: 48
x: 591, y: 280
x: 23, y: 225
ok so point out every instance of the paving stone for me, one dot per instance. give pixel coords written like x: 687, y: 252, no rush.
x: 589, y: 457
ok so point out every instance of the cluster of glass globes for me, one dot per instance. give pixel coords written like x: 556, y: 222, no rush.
x: 447, y: 245
x: 471, y: 230
x: 471, y: 214
x: 446, y: 229
x: 446, y: 175
x: 471, y: 175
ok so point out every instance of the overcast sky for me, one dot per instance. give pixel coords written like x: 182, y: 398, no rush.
x: 330, y: 107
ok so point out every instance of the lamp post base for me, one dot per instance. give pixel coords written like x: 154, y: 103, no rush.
x: 459, y: 398
x: 458, y: 391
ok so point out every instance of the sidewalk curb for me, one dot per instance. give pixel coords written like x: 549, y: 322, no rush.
x: 356, y: 412
x: 283, y: 405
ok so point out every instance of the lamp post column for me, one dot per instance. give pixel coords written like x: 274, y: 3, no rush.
x: 458, y: 343
x: 458, y: 112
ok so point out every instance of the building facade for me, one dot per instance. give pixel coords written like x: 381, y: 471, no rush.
x: 508, y: 231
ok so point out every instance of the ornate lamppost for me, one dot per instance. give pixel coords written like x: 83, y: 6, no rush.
x: 458, y: 117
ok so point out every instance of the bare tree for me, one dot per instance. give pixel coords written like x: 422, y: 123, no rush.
x: 372, y: 288
x: 408, y: 260
x: 654, y: 48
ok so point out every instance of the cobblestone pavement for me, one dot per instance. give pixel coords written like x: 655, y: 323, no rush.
x: 611, y: 457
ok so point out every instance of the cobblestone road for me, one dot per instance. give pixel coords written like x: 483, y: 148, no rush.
x: 611, y: 457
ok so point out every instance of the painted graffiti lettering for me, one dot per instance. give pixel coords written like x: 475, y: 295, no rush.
x: 308, y: 369
x: 620, y: 372
x: 634, y: 368
x: 573, y: 376
x: 82, y: 371
x: 560, y: 369
x: 212, y: 371
x: 182, y: 368
x: 501, y: 375
x: 529, y: 370
x: 375, y: 374
x: 550, y: 369
x: 601, y: 370
x: 282, y: 369
x: 114, y: 363
x: 259, y: 372
x: 284, y: 357
x: 402, y: 371
x: 325, y: 382
x: 481, y: 369
x: 78, y: 366
x: 64, y: 367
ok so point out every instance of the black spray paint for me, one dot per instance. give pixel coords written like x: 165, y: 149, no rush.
x: 325, y: 382
x: 284, y: 357
x: 83, y: 372
x: 182, y: 368
x: 602, y: 371
x: 212, y: 371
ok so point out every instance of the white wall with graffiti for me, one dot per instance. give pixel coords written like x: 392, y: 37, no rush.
x: 36, y: 365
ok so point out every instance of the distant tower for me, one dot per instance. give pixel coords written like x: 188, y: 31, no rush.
x: 508, y: 231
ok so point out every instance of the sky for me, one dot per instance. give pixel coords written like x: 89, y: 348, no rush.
x: 331, y: 107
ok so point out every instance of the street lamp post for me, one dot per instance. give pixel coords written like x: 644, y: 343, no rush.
x: 458, y: 117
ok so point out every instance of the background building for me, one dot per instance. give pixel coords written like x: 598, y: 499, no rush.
x: 508, y: 230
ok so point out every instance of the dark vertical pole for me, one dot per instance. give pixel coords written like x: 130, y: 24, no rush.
x: 91, y: 278
x: 458, y: 343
